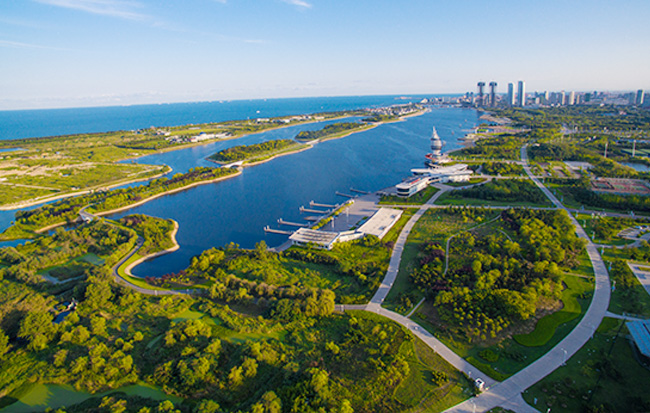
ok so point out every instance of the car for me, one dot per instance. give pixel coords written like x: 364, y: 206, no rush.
x: 480, y: 384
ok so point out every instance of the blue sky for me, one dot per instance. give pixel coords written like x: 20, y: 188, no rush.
x: 68, y: 53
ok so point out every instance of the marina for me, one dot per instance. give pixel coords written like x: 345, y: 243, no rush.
x: 214, y: 215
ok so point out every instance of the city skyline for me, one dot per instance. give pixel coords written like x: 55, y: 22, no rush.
x: 72, y: 53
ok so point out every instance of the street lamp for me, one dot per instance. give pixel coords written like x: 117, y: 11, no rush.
x: 564, y: 357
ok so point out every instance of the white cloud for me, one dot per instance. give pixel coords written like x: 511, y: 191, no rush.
x: 113, y: 8
x: 299, y: 3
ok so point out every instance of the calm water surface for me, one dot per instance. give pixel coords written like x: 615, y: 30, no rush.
x: 236, y: 210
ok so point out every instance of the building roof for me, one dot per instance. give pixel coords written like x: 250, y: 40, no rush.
x: 380, y: 222
x: 312, y: 236
x: 640, y: 331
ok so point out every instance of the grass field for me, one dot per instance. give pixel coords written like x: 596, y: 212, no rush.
x: 603, y: 374
x: 418, y: 392
x: 416, y: 199
x: 546, y: 326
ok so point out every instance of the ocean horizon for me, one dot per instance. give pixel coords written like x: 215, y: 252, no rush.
x: 35, y: 123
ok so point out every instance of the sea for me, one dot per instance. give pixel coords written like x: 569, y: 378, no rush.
x: 237, y: 210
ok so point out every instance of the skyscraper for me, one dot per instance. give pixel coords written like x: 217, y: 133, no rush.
x: 511, y: 94
x: 572, y: 98
x: 639, y: 97
x: 521, y: 95
x: 493, y: 93
x: 480, y: 85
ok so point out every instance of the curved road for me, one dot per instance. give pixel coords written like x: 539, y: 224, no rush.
x: 507, y: 394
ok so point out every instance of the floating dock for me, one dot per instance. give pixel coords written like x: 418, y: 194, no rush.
x: 292, y: 224
x: 276, y: 231
x: 345, y: 195
x: 314, y: 211
x: 313, y: 204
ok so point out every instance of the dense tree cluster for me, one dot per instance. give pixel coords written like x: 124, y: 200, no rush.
x: 494, y: 281
x: 352, y: 270
x: 243, y: 152
x: 155, y: 231
x: 504, y: 190
x: 584, y: 117
x: 502, y: 168
x: 494, y: 147
x: 328, y: 130
x: 97, y: 237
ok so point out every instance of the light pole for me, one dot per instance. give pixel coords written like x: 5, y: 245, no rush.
x: 564, y: 357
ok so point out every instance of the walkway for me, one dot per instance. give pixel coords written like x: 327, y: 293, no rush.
x: 507, y: 394
x: 383, y: 290
x: 147, y: 291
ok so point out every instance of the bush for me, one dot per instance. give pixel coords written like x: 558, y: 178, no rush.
x: 438, y: 378
x: 489, y: 355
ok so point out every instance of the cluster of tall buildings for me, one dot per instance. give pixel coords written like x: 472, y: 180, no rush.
x: 483, y: 98
x: 518, y: 97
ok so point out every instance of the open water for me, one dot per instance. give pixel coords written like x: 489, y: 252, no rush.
x: 16, y: 124
x: 236, y: 210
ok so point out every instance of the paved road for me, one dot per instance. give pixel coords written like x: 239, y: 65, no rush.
x: 508, y: 393
x: 147, y: 291
x: 383, y: 290
x: 396, y: 257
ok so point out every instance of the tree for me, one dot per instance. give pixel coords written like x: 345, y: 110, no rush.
x: 4, y: 344
x: 37, y: 328
x: 98, y: 293
x: 346, y: 407
x: 207, y: 406
x: 272, y: 402
x: 250, y: 367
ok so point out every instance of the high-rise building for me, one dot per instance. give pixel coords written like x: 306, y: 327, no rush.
x: 572, y: 98
x: 561, y: 98
x: 639, y: 97
x: 493, y: 93
x: 511, y: 94
x: 521, y: 95
x: 481, y: 86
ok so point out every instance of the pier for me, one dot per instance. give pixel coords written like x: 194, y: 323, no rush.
x: 313, y: 204
x: 276, y: 231
x: 314, y: 211
x: 345, y: 195
x: 358, y: 191
x: 292, y: 224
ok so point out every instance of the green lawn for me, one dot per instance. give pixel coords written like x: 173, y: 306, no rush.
x: 418, y: 392
x: 415, y: 199
x: 546, y: 326
x: 472, y: 181
x: 603, y: 373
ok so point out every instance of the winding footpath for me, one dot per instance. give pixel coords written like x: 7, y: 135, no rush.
x: 507, y: 394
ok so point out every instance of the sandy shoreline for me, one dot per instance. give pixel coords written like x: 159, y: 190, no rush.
x: 128, y: 268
